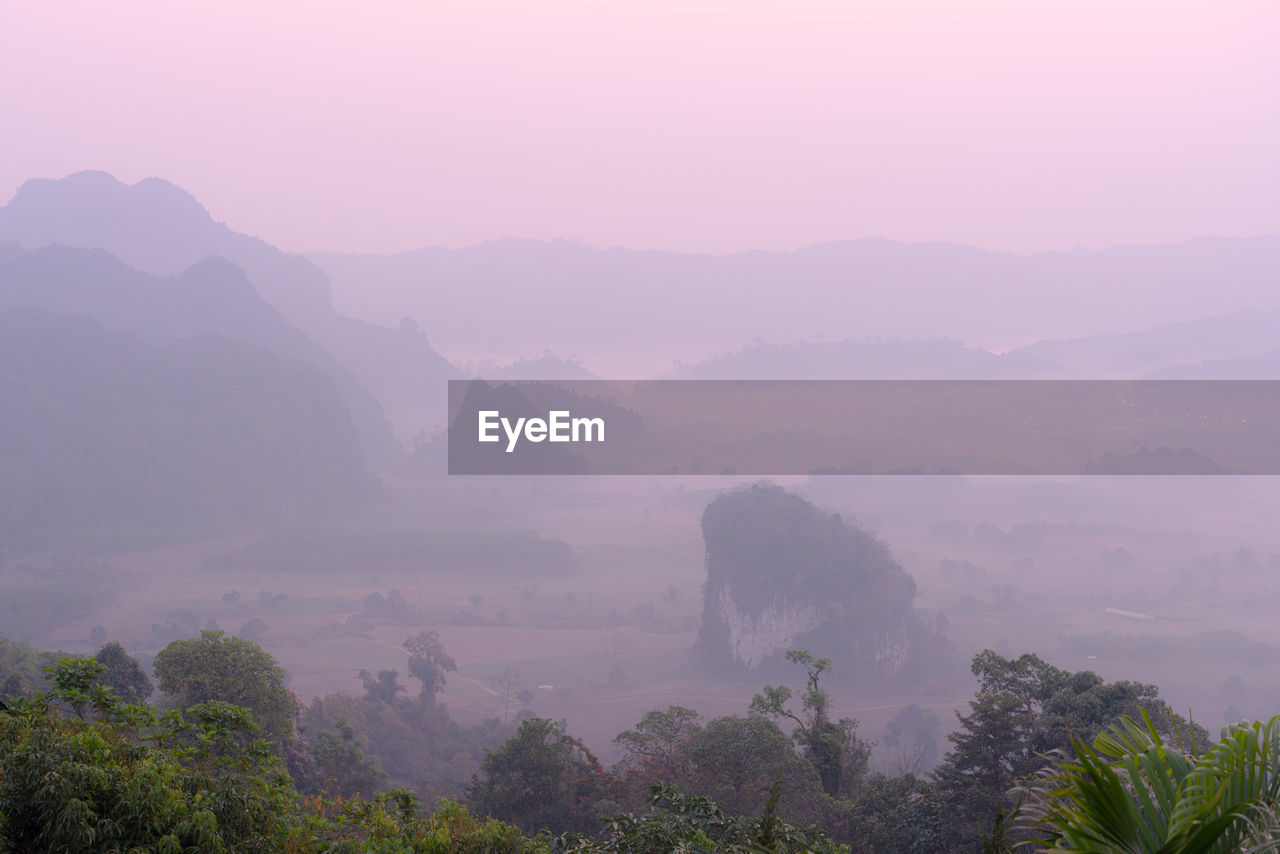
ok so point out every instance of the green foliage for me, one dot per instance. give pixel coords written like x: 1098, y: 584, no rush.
x: 543, y: 778
x: 825, y: 743
x: 21, y: 668
x: 197, y: 780
x: 735, y: 761
x: 77, y: 682
x: 130, y: 780
x: 341, y: 762
x: 393, y: 823
x: 234, y: 670
x: 731, y: 760
x: 122, y: 674
x: 896, y: 814
x: 676, y: 822
x: 415, y: 745
x: 1130, y: 791
x: 1025, y: 711
x: 659, y: 746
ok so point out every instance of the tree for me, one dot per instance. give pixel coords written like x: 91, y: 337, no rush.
x: 913, y: 737
x: 543, y: 778
x: 618, y: 648
x: 340, y: 761
x: 676, y: 821
x: 658, y: 748
x: 1130, y: 791
x: 507, y: 684
x: 429, y: 661
x: 736, y: 761
x: 123, y: 674
x: 1025, y: 710
x: 187, y: 783
x: 896, y: 814
x: 823, y: 741
x: 382, y: 688
x: 254, y: 629
x: 21, y: 668
x: 233, y: 670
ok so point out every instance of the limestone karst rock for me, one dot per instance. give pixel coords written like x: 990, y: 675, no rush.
x: 781, y: 574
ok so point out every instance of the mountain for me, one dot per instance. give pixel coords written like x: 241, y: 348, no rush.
x: 547, y: 366
x: 106, y: 436
x: 1265, y: 366
x: 213, y: 296
x: 869, y: 359
x: 1148, y: 352
x: 161, y: 229
x: 782, y: 574
x: 629, y: 313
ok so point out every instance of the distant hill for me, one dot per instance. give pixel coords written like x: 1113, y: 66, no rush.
x: 107, y: 437
x: 213, y: 296
x: 545, y: 367
x: 1152, y: 352
x: 630, y: 313
x: 783, y: 574
x: 869, y: 359
x: 1265, y: 366
x: 161, y: 229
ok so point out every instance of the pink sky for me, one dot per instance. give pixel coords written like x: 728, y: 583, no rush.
x: 697, y: 125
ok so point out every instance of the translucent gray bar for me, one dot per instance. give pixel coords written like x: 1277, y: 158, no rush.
x: 773, y: 427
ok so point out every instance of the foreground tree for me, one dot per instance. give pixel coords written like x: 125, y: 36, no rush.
x: 1026, y: 710
x: 1130, y: 791
x: 687, y: 823
x: 544, y: 779
x: 215, y: 666
x: 341, y: 763
x: 658, y: 749
x: 117, y: 777
x: 823, y: 741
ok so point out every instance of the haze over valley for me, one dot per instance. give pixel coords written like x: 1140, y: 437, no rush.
x: 253, y: 262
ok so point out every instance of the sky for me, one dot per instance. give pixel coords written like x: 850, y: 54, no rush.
x: 690, y: 125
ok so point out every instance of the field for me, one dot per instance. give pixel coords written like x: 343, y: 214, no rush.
x: 601, y: 641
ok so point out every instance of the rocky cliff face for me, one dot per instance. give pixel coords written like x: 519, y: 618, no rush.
x: 754, y: 637
x: 783, y: 575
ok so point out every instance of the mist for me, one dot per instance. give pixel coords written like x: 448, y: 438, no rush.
x: 225, y: 417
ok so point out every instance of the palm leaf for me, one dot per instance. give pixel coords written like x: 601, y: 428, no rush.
x: 1129, y: 792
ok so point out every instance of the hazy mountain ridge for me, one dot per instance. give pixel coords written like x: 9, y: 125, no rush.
x: 1150, y: 351
x: 508, y: 298
x: 213, y: 296
x: 103, y: 431
x: 869, y: 359
x: 854, y: 309
x: 1262, y: 367
x: 161, y: 229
